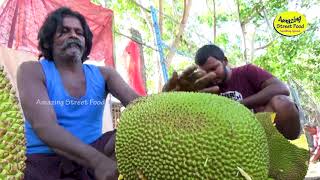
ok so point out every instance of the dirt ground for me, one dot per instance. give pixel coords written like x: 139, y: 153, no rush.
x: 313, y: 172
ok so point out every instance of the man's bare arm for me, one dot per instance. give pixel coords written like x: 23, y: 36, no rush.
x: 118, y: 87
x: 31, y: 87
x: 270, y: 88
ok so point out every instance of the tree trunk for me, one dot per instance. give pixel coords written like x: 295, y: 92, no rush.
x: 161, y: 16
x: 271, y: 37
x: 252, y: 49
x: 243, y: 31
x: 245, y: 51
x: 214, y: 22
x: 175, y: 43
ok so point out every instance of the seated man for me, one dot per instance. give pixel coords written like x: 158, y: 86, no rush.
x: 314, y: 131
x: 252, y: 86
x: 63, y: 102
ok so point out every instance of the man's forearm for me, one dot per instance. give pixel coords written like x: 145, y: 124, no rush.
x: 65, y: 144
x: 262, y: 97
x: 316, y: 155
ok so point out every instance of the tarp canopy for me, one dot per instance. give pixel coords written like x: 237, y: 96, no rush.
x: 22, y: 19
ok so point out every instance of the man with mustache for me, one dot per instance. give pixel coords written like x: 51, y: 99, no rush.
x: 64, y: 139
x: 252, y: 86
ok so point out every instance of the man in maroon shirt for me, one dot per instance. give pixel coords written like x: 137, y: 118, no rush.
x: 252, y: 86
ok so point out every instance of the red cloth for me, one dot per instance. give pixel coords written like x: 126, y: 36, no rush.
x: 134, y: 68
x: 22, y: 19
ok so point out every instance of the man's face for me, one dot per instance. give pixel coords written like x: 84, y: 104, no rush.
x: 214, y: 65
x: 69, y: 39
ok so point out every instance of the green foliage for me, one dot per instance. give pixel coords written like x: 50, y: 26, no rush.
x: 294, y: 57
x: 252, y: 9
x: 297, y: 58
x: 208, y: 18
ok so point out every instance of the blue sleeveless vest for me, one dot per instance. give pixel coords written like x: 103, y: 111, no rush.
x: 82, y: 116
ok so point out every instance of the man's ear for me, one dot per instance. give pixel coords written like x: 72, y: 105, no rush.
x: 225, y: 61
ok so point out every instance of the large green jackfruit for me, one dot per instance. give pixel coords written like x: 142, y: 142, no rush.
x: 12, y: 143
x: 183, y: 135
x: 287, y: 161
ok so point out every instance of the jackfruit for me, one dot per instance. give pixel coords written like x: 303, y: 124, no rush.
x: 12, y: 143
x: 181, y: 135
x: 287, y: 161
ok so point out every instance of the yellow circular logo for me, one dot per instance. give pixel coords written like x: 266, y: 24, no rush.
x: 290, y: 23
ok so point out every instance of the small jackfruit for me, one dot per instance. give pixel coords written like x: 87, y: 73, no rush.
x: 12, y: 143
x: 180, y: 135
x: 287, y: 161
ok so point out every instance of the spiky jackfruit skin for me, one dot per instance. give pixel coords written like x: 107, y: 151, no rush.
x: 12, y: 143
x: 287, y: 161
x: 183, y: 135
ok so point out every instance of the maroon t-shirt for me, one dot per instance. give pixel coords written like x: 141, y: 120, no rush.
x: 245, y: 81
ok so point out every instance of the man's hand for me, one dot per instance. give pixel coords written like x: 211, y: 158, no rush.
x: 192, y: 79
x: 106, y: 169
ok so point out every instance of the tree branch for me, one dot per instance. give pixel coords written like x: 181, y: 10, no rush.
x: 265, y: 46
x: 242, y: 25
x: 175, y: 43
x: 214, y: 22
x: 214, y: 19
x: 255, y: 11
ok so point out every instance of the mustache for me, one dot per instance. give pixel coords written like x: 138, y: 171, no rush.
x: 72, y: 41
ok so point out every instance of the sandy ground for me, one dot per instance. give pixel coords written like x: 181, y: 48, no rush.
x: 313, y: 172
